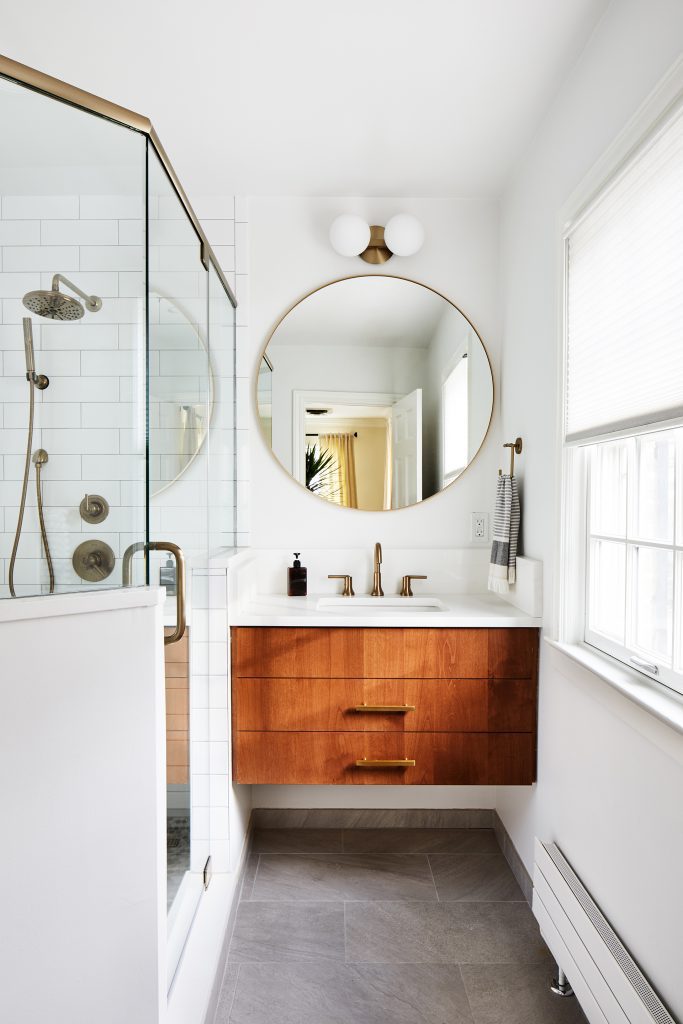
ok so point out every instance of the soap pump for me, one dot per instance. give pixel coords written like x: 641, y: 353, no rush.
x: 297, y: 578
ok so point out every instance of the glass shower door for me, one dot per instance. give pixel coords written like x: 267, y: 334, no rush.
x: 72, y: 317
x: 180, y: 400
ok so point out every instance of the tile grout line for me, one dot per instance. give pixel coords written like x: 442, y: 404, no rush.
x: 253, y: 881
x: 234, y: 991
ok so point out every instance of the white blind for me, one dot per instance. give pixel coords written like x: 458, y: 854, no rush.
x: 625, y: 296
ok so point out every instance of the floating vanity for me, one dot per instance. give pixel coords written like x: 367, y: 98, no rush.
x: 431, y: 690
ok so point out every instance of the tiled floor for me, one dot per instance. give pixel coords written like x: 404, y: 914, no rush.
x: 386, y: 926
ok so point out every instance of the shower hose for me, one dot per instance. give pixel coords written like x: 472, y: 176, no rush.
x: 39, y: 461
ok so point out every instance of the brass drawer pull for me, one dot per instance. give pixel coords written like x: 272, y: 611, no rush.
x: 392, y: 708
x: 405, y: 762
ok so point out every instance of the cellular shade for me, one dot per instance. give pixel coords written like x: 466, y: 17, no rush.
x: 625, y: 296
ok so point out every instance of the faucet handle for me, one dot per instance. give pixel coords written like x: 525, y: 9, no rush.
x: 348, y: 583
x: 406, y: 589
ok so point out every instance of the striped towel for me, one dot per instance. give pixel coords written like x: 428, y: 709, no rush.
x: 505, y: 531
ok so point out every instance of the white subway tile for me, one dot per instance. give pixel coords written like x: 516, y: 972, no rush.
x: 71, y: 492
x: 242, y: 248
x: 220, y: 856
x: 84, y: 389
x: 120, y: 311
x: 15, y: 286
x: 118, y: 363
x: 183, y: 364
x: 179, y: 257
x: 199, y: 723
x: 131, y: 232
x: 40, y: 207
x: 12, y: 441
x: 169, y: 207
x: 131, y: 283
x: 214, y: 207
x: 13, y: 389
x: 79, y: 232
x: 199, y: 692
x: 114, y: 467
x: 219, y: 791
x: 56, y: 414
x: 85, y: 442
x: 218, y: 758
x: 112, y: 207
x: 55, y: 258
x: 167, y: 232
x: 12, y: 338
x: 19, y: 232
x: 80, y: 334
x: 219, y: 823
x: 61, y: 467
x: 199, y: 757
x: 218, y: 689
x: 200, y: 791
x: 131, y: 336
x: 183, y: 285
x: 219, y: 232
x: 104, y: 283
x: 225, y: 254
x: 54, y: 364
x: 112, y: 257
x: 111, y: 414
x: 241, y: 208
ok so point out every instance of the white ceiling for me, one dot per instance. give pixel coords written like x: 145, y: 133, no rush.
x: 305, y: 97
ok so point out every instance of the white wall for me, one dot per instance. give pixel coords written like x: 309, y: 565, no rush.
x: 610, y: 777
x: 290, y: 255
x: 82, y: 777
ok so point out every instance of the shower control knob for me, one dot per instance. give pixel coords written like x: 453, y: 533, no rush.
x: 93, y: 560
x: 94, y: 508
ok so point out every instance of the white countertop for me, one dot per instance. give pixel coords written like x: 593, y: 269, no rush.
x: 483, y: 610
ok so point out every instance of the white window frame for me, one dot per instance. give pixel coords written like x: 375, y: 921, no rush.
x: 570, y: 626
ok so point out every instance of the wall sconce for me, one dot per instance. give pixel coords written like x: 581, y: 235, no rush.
x: 351, y: 236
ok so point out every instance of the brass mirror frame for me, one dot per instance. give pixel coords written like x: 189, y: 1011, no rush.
x: 262, y: 355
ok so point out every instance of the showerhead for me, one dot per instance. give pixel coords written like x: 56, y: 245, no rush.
x: 54, y: 305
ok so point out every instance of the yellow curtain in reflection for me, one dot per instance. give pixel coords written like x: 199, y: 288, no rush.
x: 388, y: 467
x: 343, y: 473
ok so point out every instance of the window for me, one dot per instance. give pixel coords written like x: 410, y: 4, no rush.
x: 623, y: 412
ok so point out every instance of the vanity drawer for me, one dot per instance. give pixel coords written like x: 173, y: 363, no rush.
x: 348, y: 653
x: 329, y: 758
x: 434, y: 705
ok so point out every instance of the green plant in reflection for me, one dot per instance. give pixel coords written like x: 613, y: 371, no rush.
x: 321, y: 471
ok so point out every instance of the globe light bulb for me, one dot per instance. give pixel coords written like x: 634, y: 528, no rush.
x: 404, y: 235
x: 349, y: 234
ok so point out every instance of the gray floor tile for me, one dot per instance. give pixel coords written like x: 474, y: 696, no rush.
x: 343, y: 876
x: 350, y: 994
x: 297, y: 840
x: 294, y: 932
x: 517, y: 994
x: 420, y: 840
x: 404, y: 932
x: 227, y: 994
x: 471, y: 876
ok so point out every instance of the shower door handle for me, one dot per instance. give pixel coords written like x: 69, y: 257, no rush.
x: 173, y: 549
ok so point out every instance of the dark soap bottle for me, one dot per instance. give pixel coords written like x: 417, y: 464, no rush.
x: 297, y: 578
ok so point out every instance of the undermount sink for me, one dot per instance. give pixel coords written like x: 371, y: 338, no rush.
x: 378, y: 605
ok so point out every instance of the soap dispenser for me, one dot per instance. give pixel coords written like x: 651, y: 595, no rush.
x: 297, y: 578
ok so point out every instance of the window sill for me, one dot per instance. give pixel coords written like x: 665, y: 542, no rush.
x: 659, y: 700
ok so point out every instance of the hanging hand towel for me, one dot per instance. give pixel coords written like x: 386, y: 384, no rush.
x: 505, y: 531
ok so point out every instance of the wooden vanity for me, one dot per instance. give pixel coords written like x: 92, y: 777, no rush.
x: 384, y: 706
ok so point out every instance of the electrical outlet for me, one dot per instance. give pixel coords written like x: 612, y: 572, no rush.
x: 479, y: 526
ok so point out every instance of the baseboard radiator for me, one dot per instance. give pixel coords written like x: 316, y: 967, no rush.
x: 606, y: 979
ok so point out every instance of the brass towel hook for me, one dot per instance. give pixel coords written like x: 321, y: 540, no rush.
x: 515, y: 449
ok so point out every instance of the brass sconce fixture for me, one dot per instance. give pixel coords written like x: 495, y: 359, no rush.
x: 350, y: 235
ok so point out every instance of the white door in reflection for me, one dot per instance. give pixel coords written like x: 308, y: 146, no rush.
x: 406, y: 450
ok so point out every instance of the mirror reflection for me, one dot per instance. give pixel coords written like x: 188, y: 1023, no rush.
x: 375, y: 392
x: 180, y: 391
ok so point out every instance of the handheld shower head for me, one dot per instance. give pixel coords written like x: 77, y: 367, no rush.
x: 28, y: 348
x: 54, y: 305
x: 37, y: 380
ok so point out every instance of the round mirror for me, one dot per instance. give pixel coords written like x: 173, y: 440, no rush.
x: 180, y: 390
x: 375, y: 392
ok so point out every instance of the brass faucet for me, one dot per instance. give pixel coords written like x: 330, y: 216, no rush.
x: 377, y: 575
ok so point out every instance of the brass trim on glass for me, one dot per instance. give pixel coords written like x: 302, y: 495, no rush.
x: 395, y: 277
x: 173, y: 549
x: 67, y: 93
x: 393, y: 709
x: 405, y: 762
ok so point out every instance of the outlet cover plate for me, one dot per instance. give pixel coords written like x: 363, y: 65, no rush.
x: 479, y: 527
